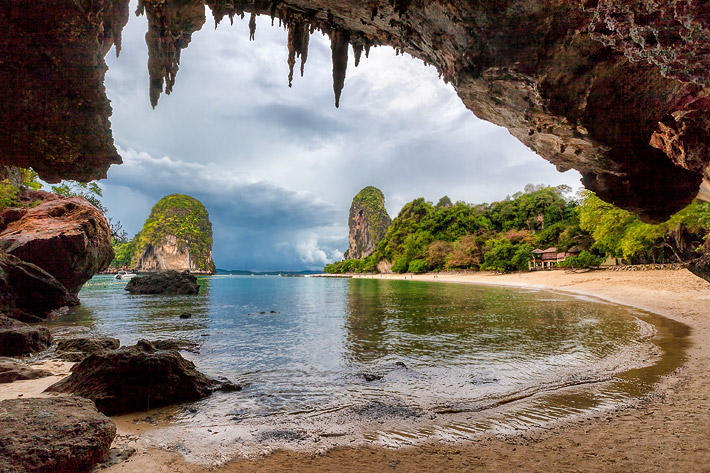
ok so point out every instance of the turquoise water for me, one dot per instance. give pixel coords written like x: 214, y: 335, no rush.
x: 390, y: 361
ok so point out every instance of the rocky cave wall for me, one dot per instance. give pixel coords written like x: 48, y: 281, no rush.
x: 615, y: 89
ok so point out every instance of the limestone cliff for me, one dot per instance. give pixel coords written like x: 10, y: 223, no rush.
x: 177, y: 235
x: 368, y: 222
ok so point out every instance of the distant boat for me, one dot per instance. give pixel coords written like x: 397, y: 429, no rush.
x: 124, y: 275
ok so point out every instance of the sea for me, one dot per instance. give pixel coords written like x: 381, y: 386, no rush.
x: 327, y: 362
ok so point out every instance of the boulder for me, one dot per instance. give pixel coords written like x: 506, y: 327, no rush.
x: 12, y: 370
x: 29, y: 293
x: 65, y: 434
x: 76, y: 349
x: 167, y: 282
x: 66, y: 236
x: 137, y: 378
x: 18, y: 338
x: 701, y: 267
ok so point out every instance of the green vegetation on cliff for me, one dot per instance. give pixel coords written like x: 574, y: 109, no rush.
x: 186, y: 219
x: 501, y: 236
x: 368, y: 214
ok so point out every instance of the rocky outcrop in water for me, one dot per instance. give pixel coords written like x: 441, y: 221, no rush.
x: 167, y: 282
x: 616, y: 90
x: 137, y: 378
x: 29, y: 293
x: 176, y: 236
x: 53, y: 435
x: 66, y: 236
x: 18, y: 338
x: 367, y: 223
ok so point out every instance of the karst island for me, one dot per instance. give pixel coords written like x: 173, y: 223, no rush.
x: 319, y: 236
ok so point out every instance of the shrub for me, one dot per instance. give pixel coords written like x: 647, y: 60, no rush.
x: 418, y: 266
x: 400, y: 265
x: 584, y: 260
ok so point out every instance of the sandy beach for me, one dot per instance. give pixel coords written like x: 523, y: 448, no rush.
x: 668, y: 431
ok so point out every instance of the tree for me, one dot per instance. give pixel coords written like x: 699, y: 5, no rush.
x: 437, y: 252
x: 466, y: 253
x: 418, y: 266
x: 88, y: 190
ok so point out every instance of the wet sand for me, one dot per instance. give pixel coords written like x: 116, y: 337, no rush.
x: 667, y: 432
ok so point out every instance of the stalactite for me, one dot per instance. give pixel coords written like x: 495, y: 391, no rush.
x: 367, y: 49
x: 252, y: 25
x: 305, y: 39
x: 298, y: 39
x: 294, y: 38
x: 339, y: 49
x: 357, y: 52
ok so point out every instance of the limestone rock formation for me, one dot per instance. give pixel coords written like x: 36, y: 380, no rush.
x: 65, y: 236
x: 615, y: 89
x: 12, y: 370
x: 54, y: 113
x: 137, y: 378
x: 53, y: 435
x: 176, y: 236
x: 166, y: 282
x: 18, y: 338
x: 367, y: 223
x: 29, y: 293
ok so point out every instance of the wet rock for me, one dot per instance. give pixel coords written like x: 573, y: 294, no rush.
x: 76, y: 349
x: 29, y: 293
x: 18, y: 338
x: 137, y: 378
x: 174, y: 344
x: 168, y: 283
x: 12, y: 370
x: 66, y: 236
x: 369, y: 377
x: 53, y: 435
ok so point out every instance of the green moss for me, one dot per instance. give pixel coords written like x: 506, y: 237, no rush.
x: 187, y: 220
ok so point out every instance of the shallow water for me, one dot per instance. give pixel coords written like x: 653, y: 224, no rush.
x: 341, y: 361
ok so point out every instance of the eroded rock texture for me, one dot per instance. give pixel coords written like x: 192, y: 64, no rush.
x: 53, y: 435
x: 54, y: 111
x: 367, y: 223
x: 615, y: 89
x: 65, y: 236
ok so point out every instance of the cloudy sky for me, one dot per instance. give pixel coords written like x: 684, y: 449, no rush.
x: 277, y: 167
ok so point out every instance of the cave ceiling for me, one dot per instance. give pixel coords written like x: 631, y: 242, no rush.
x: 618, y: 90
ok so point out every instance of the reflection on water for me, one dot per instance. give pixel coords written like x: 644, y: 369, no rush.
x: 390, y: 361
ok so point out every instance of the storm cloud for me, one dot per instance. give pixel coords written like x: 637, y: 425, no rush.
x: 277, y: 167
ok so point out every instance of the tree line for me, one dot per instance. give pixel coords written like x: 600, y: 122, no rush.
x: 501, y: 236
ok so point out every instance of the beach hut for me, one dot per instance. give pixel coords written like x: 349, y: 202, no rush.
x: 536, y: 261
